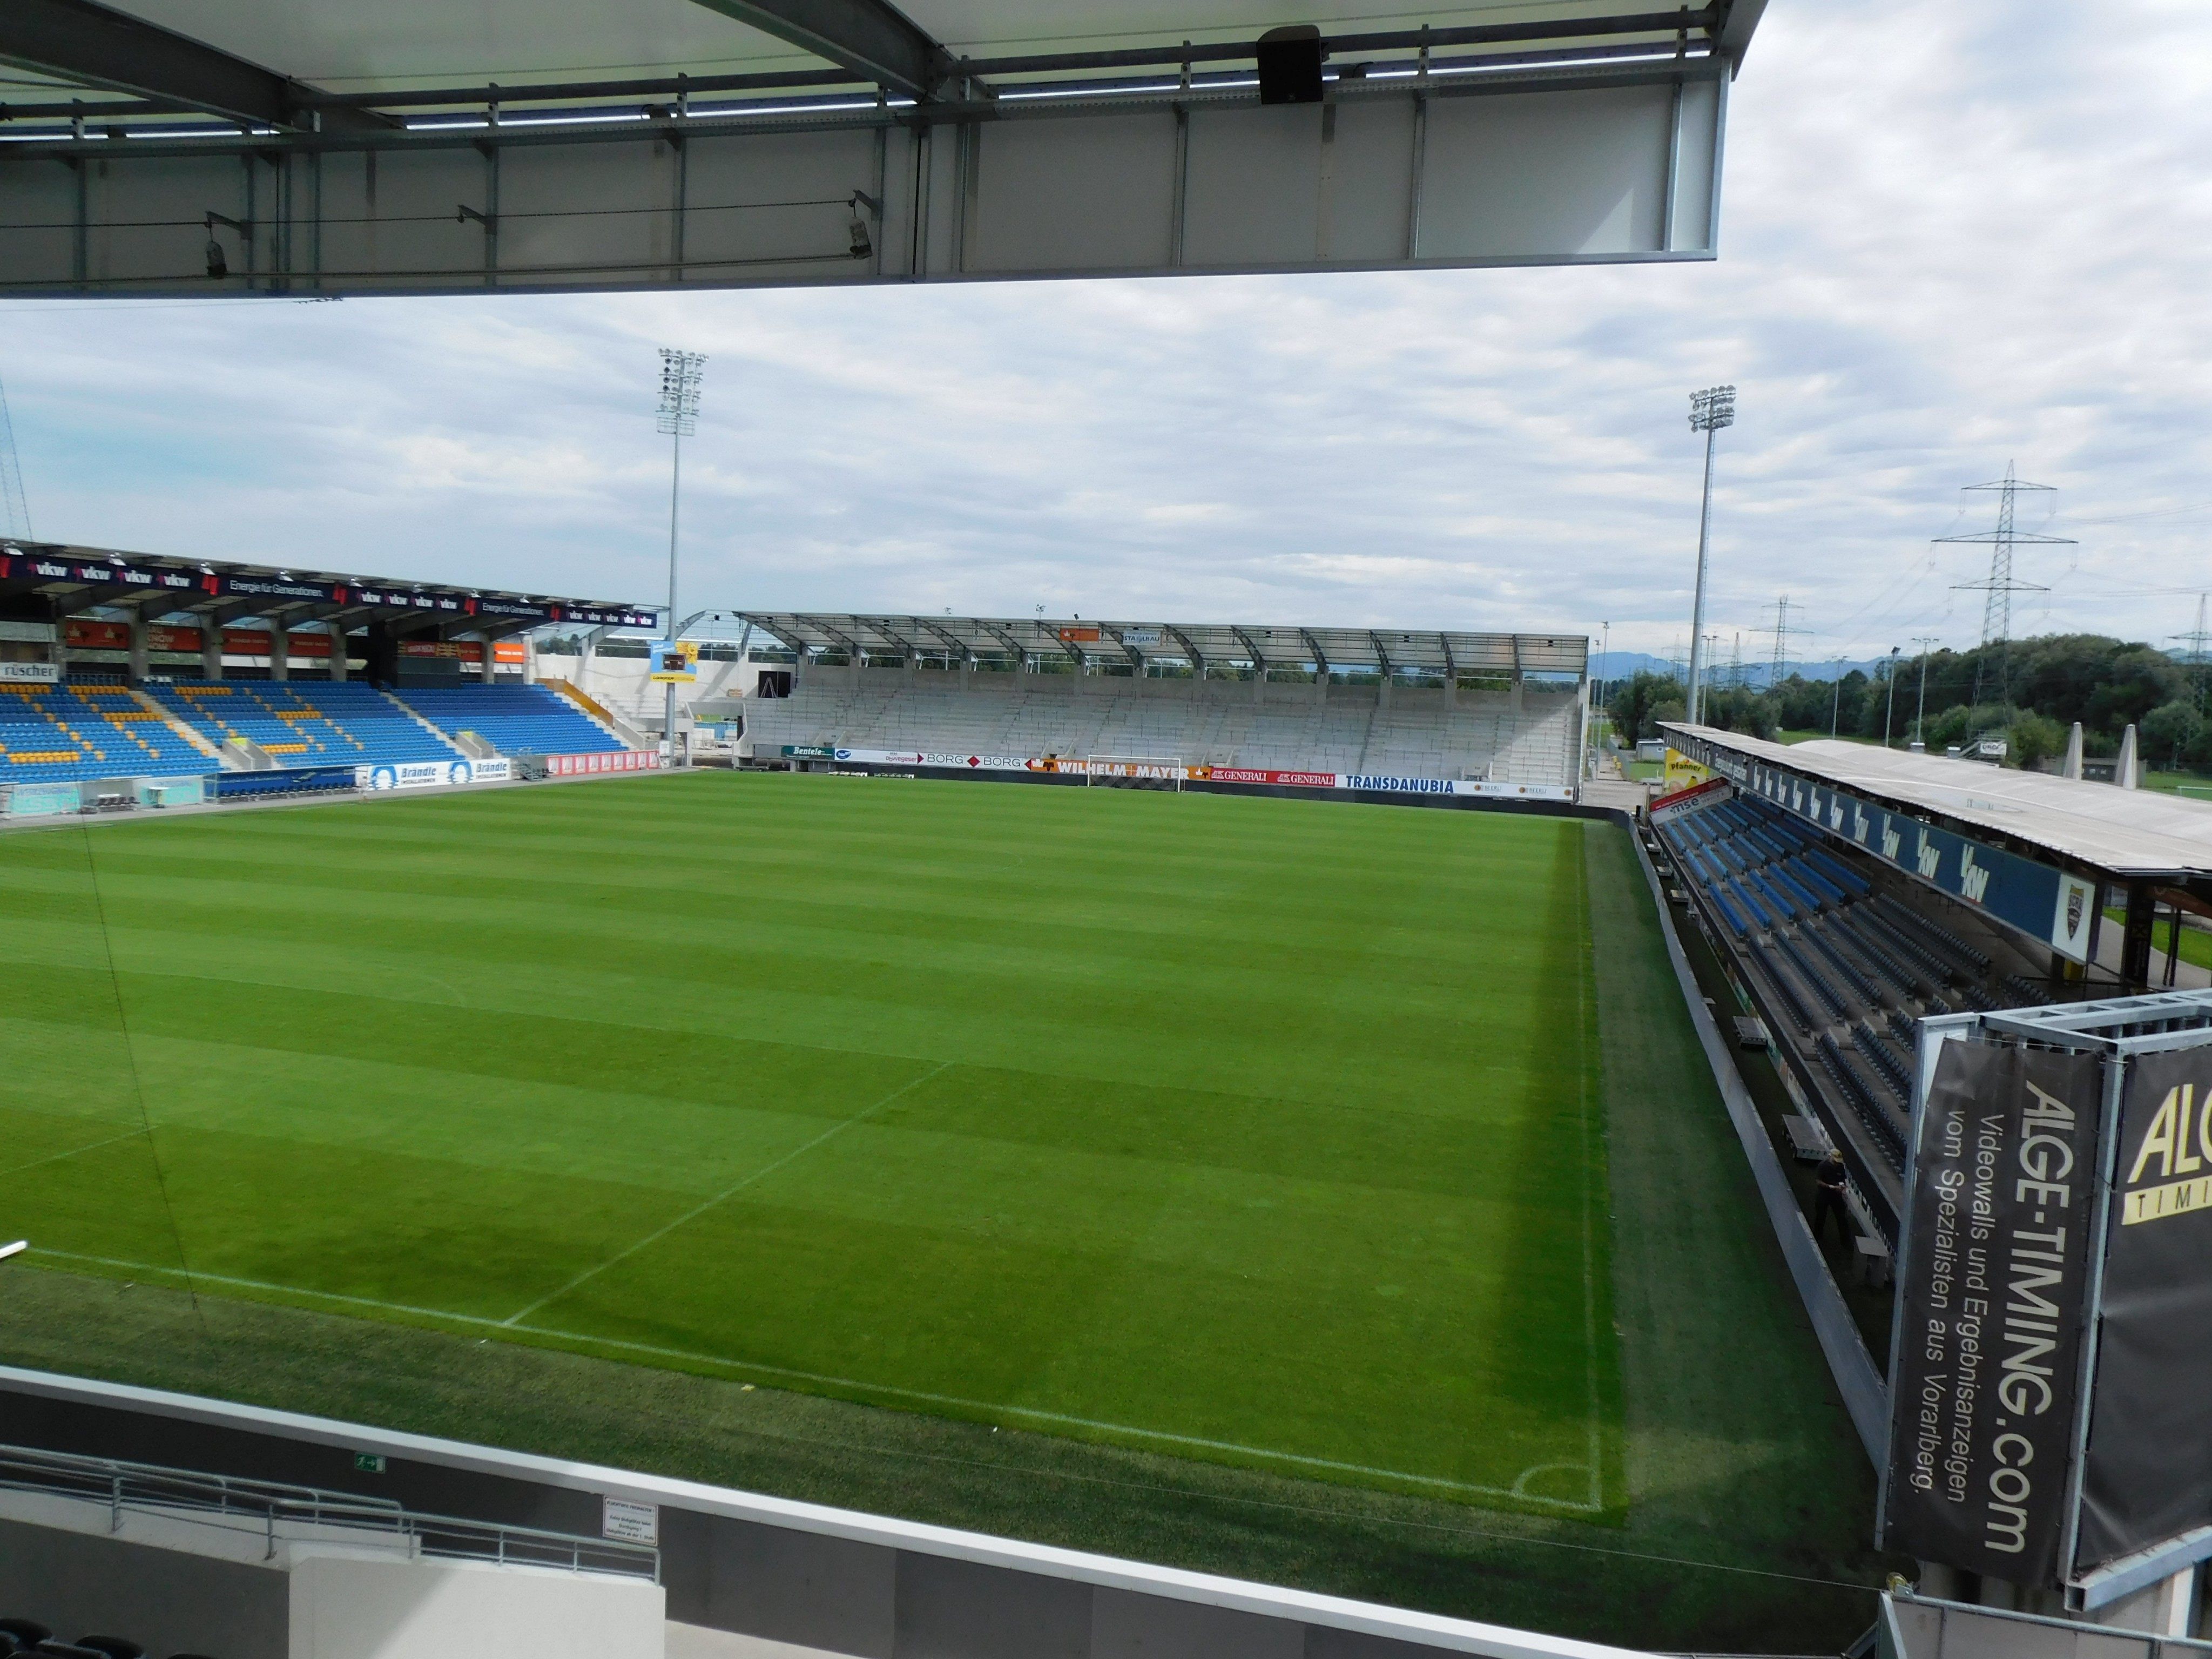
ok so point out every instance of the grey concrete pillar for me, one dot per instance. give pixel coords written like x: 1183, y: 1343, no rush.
x: 491, y: 655
x: 138, y: 672
x: 210, y: 648
x: 337, y: 651
x: 280, y: 650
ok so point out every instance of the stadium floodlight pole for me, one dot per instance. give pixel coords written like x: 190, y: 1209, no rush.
x: 1710, y: 410
x: 1605, y: 656
x: 1920, y: 715
x: 1892, y: 708
x: 1835, y: 705
x: 681, y: 373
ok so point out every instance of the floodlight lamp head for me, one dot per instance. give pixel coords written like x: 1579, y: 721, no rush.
x: 681, y: 373
x: 1712, y: 409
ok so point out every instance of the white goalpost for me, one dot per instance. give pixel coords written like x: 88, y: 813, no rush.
x: 1134, y: 771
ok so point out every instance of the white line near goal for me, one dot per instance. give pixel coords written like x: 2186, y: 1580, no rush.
x: 1135, y: 771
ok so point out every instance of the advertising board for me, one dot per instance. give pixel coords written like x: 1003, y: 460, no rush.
x: 618, y: 760
x: 2050, y: 1420
x: 1989, y: 1290
x: 425, y: 774
x: 675, y: 662
x: 29, y: 673
x: 2150, y: 1426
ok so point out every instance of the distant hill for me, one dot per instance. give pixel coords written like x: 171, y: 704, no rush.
x: 1620, y: 664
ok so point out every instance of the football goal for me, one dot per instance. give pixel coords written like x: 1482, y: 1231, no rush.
x: 1134, y: 771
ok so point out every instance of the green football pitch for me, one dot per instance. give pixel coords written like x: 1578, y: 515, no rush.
x: 1258, y: 1131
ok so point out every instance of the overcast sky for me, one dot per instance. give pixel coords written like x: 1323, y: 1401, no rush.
x: 1953, y: 237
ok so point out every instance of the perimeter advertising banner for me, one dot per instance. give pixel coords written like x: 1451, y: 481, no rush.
x: 425, y: 774
x: 1988, y: 1347
x: 2148, y: 1472
x: 1371, y: 782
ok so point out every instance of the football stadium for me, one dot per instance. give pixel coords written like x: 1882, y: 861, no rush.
x: 596, y: 1128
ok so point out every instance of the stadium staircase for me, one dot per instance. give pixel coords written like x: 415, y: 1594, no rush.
x: 614, y: 725
x: 1216, y: 722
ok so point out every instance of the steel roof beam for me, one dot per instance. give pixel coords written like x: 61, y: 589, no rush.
x: 872, y: 38
x: 1197, y: 658
x: 94, y: 45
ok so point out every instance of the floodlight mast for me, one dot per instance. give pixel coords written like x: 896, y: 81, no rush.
x: 681, y: 373
x: 1710, y: 410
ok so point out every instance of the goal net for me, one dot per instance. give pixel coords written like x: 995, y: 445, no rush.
x: 1134, y: 771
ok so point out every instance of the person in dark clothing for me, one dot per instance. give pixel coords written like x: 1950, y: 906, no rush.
x: 1828, y: 1199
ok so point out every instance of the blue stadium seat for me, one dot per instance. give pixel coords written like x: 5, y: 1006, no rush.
x: 306, y: 723
x: 514, y: 720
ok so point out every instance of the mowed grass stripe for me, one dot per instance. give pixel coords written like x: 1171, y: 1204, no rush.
x: 1257, y: 1125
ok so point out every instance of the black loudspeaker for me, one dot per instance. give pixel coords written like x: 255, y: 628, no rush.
x: 1290, y: 64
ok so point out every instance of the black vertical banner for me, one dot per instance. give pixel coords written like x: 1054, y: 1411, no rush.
x: 1982, y: 1380
x: 2147, y: 1475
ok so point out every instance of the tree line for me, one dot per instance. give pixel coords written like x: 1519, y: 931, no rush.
x: 2028, y: 693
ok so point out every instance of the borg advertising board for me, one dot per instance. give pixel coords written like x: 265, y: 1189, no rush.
x: 2050, y: 1378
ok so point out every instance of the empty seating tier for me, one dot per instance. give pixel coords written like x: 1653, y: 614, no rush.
x: 514, y: 720
x: 299, y: 723
x: 1533, y: 739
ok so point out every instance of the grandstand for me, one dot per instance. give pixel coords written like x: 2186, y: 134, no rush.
x: 1501, y: 707
x: 119, y: 667
x: 1855, y: 891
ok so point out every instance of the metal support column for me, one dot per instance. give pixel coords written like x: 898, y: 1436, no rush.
x: 2135, y: 938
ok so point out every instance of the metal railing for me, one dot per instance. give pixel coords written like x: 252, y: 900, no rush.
x: 279, y: 1512
x: 1927, y: 1627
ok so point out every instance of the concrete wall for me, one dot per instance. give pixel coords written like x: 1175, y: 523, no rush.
x: 361, y: 1607
x: 771, y: 1570
x: 82, y: 1583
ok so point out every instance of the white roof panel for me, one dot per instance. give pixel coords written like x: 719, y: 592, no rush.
x: 2124, y: 831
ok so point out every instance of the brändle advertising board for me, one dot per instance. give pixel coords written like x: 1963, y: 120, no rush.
x: 1985, y: 1366
x: 2147, y: 1476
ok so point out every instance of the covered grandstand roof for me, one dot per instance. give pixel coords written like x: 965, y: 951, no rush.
x: 2122, y: 832
x: 77, y: 578
x: 1366, y: 649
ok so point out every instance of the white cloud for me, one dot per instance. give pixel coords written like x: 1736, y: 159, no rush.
x: 1953, y: 237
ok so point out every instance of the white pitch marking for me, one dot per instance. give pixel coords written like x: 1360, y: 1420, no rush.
x: 922, y: 1396
x: 40, y: 1163
x: 762, y: 1174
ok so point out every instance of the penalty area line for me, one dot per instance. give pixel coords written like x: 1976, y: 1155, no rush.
x: 1162, y: 1436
